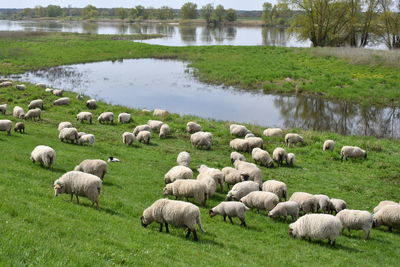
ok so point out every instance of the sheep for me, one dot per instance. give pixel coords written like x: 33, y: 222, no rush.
x: 233, y: 176
x: 20, y: 87
x: 160, y: 112
x: 249, y: 169
x: 279, y: 155
x: 324, y: 203
x: 96, y: 167
x: 273, y: 132
x: 3, y: 109
x: 288, y: 208
x: 184, y: 159
x: 144, y: 136
x: 384, y: 203
x: 57, y: 92
x: 128, y: 138
x: 201, y: 140
x: 255, y: 142
x: 84, y: 116
x: 64, y: 124
x: 262, y: 157
x: 37, y: 103
x: 209, y: 182
x: 91, y: 103
x: 230, y: 209
x: 80, y: 134
x: 45, y: 155
x: 33, y: 114
x: 42, y: 85
x: 146, y: 110
x: 155, y: 125
x: 48, y: 90
x: 292, y: 139
x: 5, y: 84
x: 352, y: 152
x: 306, y: 201
x: 321, y: 226
x: 260, y: 200
x: 328, y: 145
x: 188, y: 188
x: 79, y: 97
x: 6, y: 125
x: 277, y: 187
x: 241, y: 189
x: 290, y: 159
x: 124, y: 118
x: 356, y: 220
x: 238, y: 130
x: 215, y: 174
x: 338, y: 205
x: 389, y: 216
x: 106, y: 117
x: 79, y: 184
x: 237, y: 156
x: 192, y: 127
x: 178, y: 173
x: 18, y: 112
x: 174, y: 212
x: 249, y: 135
x: 62, y: 101
x: 241, y: 145
x: 139, y: 128
x: 86, y: 139
x: 68, y: 134
x: 165, y: 131
x: 19, y: 126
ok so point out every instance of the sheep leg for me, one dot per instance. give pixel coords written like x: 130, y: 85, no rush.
x: 195, y: 235
x: 188, y: 233
x: 243, y: 222
x: 366, y: 234
x: 230, y: 219
x: 77, y: 199
x: 224, y: 218
x: 161, y: 226
x: 166, y: 228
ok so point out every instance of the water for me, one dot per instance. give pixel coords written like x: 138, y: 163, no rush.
x: 170, y: 85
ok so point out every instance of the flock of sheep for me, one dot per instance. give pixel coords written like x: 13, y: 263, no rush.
x: 248, y: 190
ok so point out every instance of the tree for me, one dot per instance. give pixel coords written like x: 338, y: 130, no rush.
x: 121, y: 12
x: 231, y: 15
x: 188, y: 11
x: 165, y: 13
x: 267, y: 13
x: 40, y: 12
x: 90, y: 11
x: 53, y: 11
x: 219, y: 14
x: 141, y: 12
x: 389, y: 20
x: 206, y: 12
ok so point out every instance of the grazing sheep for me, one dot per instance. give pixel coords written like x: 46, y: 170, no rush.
x: 356, y: 220
x: 306, y: 201
x: 140, y: 128
x: 187, y: 188
x: 338, y: 204
x: 62, y: 101
x: 384, y: 203
x: 165, y: 131
x: 68, y: 134
x: 57, y: 92
x: 321, y: 226
x: 5, y: 84
x: 279, y: 155
x: 238, y: 130
x: 255, y: 142
x: 64, y: 124
x: 91, y: 103
x: 352, y: 152
x: 79, y: 97
x: 201, y: 140
x: 21, y: 87
x: 241, y: 145
x: 178, y: 173
x: 292, y: 139
x: 262, y: 157
x: 86, y: 139
x: 124, y: 118
x: 37, y: 103
x: 96, y: 167
x: 84, y: 116
x: 42, y: 85
x: 48, y: 90
x: 184, y: 159
x: 3, y: 108
x: 277, y: 187
x: 237, y: 156
x: 45, y: 155
x: 260, y: 200
x: 174, y: 212
x: 106, y: 117
x: 18, y: 112
x: 33, y: 114
x: 128, y: 138
x: 80, y: 134
x: 290, y: 159
x: 249, y: 169
x: 249, y: 135
x: 19, y: 126
x: 79, y: 184
x: 324, y: 203
x: 6, y: 125
x: 233, y: 176
x: 241, y: 189
x: 155, y: 125
x: 215, y: 174
x: 209, y: 182
x: 230, y: 209
x: 112, y: 159
x: 144, y: 137
x: 273, y: 132
x: 284, y: 209
x: 192, y: 127
x: 160, y: 112
x: 328, y: 145
x: 389, y: 216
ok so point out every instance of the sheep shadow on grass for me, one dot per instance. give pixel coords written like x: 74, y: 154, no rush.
x: 324, y: 243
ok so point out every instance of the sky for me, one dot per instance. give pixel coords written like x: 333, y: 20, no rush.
x: 235, y: 4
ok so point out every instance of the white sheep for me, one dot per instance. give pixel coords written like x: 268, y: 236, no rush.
x: 249, y: 135
x: 215, y: 174
x: 68, y: 134
x: 273, y: 132
x: 237, y: 156
x: 238, y: 144
x: 356, y: 220
x: 96, y: 167
x: 91, y: 103
x: 49, y: 90
x: 277, y: 187
x: 160, y: 112
x: 260, y: 200
x: 284, y: 209
x: 45, y: 155
x: 21, y: 87
x: 64, y: 124
x: 338, y: 205
x: 328, y: 145
x: 255, y: 142
x: 209, y: 182
x: 128, y: 138
x: 80, y: 134
x: 79, y: 184
x: 249, y: 169
x: 140, y: 128
x: 238, y: 130
x: 262, y: 157
x: 184, y: 159
x: 241, y: 189
x: 19, y: 126
x: 5, y: 84
x: 33, y: 114
x: 18, y: 112
x: 324, y: 203
x: 384, y: 203
x: 86, y: 139
x: 187, y: 188
x: 155, y: 125
x: 146, y: 110
x: 42, y: 85
x: 174, y: 212
x: 106, y: 117
x: 320, y: 226
x: 352, y: 152
x: 292, y: 139
x: 192, y: 127
x: 6, y: 126
x: 124, y: 118
x: 79, y: 97
x: 3, y: 108
x: 290, y: 159
x: 57, y: 92
x: 279, y: 155
x: 201, y: 140
x: 230, y: 209
x: 233, y: 176
x: 306, y: 201
x: 178, y: 173
x: 165, y: 131
x: 389, y: 216
x: 84, y: 116
x: 62, y: 101
x: 144, y: 136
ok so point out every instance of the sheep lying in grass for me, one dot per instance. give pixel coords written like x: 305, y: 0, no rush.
x: 21, y: 87
x: 192, y: 127
x: 260, y: 200
x: 292, y: 139
x: 144, y: 137
x: 238, y: 130
x: 86, y: 139
x: 124, y: 118
x: 249, y: 169
x: 241, y: 145
x: 140, y: 128
x: 68, y: 134
x: 306, y: 201
x: 33, y: 114
x: 328, y: 145
x: 5, y: 84
x: 215, y: 174
x: 18, y: 112
x: 284, y: 209
x: 279, y: 155
x: 174, y: 212
x: 352, y: 152
x: 273, y: 132
x: 91, y: 103
x: 241, y: 189
x: 184, y: 159
x: 356, y: 220
x: 19, y: 127
x: 62, y: 101
x: 383, y: 204
x: 106, y: 117
x: 64, y: 124
x: 277, y: 187
x: 160, y: 112
x: 79, y: 184
x: 165, y: 131
x: 155, y: 125
x: 230, y: 209
x: 84, y: 116
x: 6, y: 126
x: 128, y: 138
x: 233, y: 176
x: 187, y: 188
x: 96, y: 167
x: 37, y: 103
x: 237, y: 156
x: 41, y: 85
x: 178, y: 173
x: 338, y: 204
x: 262, y: 157
x: 389, y: 216
x: 45, y: 155
x: 201, y: 140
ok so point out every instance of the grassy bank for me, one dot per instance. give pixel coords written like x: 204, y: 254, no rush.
x: 39, y: 229
x: 272, y: 69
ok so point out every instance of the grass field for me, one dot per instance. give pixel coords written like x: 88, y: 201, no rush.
x: 253, y: 68
x: 41, y: 230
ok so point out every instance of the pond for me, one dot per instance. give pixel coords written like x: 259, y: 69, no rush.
x: 170, y: 85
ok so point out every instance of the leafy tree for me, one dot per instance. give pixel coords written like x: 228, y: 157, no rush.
x: 90, y: 11
x: 231, y: 15
x: 165, y: 13
x: 53, y: 11
x: 40, y: 12
x: 389, y: 22
x: 267, y: 15
x: 121, y: 13
x: 188, y: 11
x: 219, y: 14
x: 206, y: 12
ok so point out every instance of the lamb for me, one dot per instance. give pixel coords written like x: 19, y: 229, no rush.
x: 42, y: 85
x: 45, y: 155
x: 230, y: 209
x: 91, y: 103
x: 68, y: 134
x: 184, y: 159
x: 57, y: 92
x: 140, y: 128
x: 174, y: 212
x: 144, y: 136
x: 19, y: 126
x: 20, y: 87
x: 290, y: 159
x: 178, y: 173
x: 241, y: 145
x: 106, y: 117
x: 389, y: 216
x: 165, y: 131
x: 233, y: 176
x: 3, y: 109
x: 292, y: 139
x: 262, y: 157
x: 48, y: 90
x: 33, y: 114
x: 273, y: 132
x: 84, y: 116
x: 279, y: 155
x: 260, y: 200
x: 324, y: 203
x: 96, y: 167
x: 192, y: 127
x: 160, y: 112
x: 352, y: 152
x: 241, y: 189
x: 18, y: 112
x: 6, y: 125
x: 328, y: 145
x: 124, y: 118
x: 306, y: 201
x: 321, y: 226
x: 255, y: 142
x: 288, y: 208
x: 5, y: 84
x: 209, y: 182
x: 201, y: 140
x: 86, y: 139
x: 64, y: 124
x: 249, y: 169
x: 237, y: 156
x: 215, y: 174
x: 79, y: 184
x: 37, y: 103
x: 338, y: 204
x: 155, y: 125
x: 80, y: 134
x: 238, y: 130
x: 62, y: 101
x: 128, y: 138
x: 277, y: 187
x: 356, y: 220
x: 187, y: 188
x: 249, y: 135
x: 384, y: 203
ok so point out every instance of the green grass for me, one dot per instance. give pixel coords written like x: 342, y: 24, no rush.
x: 253, y: 68
x: 41, y: 230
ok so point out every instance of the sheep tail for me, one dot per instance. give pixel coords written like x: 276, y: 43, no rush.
x: 198, y: 221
